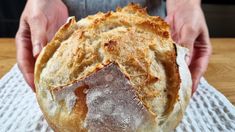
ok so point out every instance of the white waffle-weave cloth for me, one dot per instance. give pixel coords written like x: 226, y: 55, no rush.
x: 208, y: 111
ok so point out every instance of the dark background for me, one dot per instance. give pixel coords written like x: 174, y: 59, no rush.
x: 220, y: 17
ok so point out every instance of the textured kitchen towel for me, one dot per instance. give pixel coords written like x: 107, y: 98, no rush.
x: 208, y: 110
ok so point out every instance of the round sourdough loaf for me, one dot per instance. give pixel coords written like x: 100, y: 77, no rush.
x: 114, y: 71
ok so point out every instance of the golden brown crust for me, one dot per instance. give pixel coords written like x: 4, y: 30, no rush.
x: 61, y: 35
x: 140, y: 44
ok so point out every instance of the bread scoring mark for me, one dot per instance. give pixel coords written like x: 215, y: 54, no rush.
x: 172, y: 72
x: 63, y: 34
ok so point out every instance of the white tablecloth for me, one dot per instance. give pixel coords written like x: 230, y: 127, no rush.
x: 208, y: 110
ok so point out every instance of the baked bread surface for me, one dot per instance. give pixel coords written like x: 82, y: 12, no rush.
x: 138, y: 44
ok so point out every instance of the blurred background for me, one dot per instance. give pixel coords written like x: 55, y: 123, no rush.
x: 220, y: 17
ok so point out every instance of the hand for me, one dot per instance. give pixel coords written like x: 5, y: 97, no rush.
x: 38, y: 23
x: 188, y: 28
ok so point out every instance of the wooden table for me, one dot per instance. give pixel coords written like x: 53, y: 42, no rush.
x: 220, y: 73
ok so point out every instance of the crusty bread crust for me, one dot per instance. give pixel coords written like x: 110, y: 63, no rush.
x: 142, y: 47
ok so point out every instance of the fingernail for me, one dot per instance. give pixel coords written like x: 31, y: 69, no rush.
x: 36, y: 50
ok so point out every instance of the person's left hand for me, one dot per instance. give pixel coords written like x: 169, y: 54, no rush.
x: 189, y: 29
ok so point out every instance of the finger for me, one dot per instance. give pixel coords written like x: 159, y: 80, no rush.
x: 187, y: 38
x: 197, y: 69
x: 38, y: 25
x: 202, y: 52
x: 25, y: 59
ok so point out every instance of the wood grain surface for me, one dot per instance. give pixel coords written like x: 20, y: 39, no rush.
x: 7, y: 55
x: 221, y: 69
x: 220, y: 72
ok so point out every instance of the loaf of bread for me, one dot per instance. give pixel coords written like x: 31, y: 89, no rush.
x: 114, y: 71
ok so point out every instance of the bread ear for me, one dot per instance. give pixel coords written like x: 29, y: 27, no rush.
x: 184, y: 92
x: 62, y: 34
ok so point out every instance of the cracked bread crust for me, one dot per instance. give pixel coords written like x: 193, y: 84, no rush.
x: 140, y: 44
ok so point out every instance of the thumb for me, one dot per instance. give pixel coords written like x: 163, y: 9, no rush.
x: 198, y: 68
x: 38, y: 25
x: 25, y: 59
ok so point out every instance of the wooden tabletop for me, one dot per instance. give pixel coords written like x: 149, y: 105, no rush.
x: 220, y: 73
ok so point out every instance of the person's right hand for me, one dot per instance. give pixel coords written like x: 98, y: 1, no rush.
x: 38, y: 23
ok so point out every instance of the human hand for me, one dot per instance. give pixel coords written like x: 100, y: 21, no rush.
x: 189, y: 29
x: 38, y: 23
